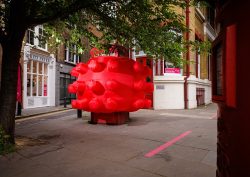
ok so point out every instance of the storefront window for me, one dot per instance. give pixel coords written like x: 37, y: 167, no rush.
x: 34, y: 66
x: 34, y: 86
x: 45, y: 88
x: 28, y: 84
x: 28, y: 66
x: 37, y: 78
x: 45, y: 69
x: 40, y: 85
x: 40, y: 68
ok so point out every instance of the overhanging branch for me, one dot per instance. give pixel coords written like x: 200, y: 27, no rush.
x: 106, y: 19
x: 64, y: 12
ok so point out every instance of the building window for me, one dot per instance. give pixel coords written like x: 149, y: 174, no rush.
x: 37, y: 78
x: 209, y: 66
x: 31, y: 36
x: 41, y: 41
x: 71, y: 54
x: 198, y: 64
x: 211, y: 16
x: 198, y: 57
x: 35, y: 37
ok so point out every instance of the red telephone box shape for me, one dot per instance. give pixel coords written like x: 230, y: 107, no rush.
x: 233, y: 114
x: 218, y: 69
x: 224, y: 67
x: 231, y: 66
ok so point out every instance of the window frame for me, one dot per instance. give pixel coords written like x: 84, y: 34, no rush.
x: 76, y: 57
x: 36, y: 41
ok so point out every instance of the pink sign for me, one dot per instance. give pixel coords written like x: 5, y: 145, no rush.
x: 173, y: 70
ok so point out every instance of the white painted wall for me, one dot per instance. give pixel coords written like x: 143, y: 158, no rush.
x: 168, y: 92
x: 52, y: 81
x: 192, y: 81
x: 206, y: 84
x: 26, y: 52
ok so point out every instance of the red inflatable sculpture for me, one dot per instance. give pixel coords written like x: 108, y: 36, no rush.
x: 109, y: 87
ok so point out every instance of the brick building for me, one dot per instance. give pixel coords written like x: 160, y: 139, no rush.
x: 45, y: 70
x: 179, y: 88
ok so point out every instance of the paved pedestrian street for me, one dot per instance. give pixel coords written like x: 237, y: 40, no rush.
x: 162, y: 143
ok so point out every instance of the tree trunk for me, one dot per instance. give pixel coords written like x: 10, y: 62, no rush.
x: 10, y: 59
x: 11, y: 46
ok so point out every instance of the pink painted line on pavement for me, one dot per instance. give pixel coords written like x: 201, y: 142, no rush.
x: 167, y: 144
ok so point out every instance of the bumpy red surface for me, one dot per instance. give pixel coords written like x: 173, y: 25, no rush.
x: 108, y: 84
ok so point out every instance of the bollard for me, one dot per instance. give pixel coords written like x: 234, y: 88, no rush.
x: 64, y: 102
x: 79, y: 113
x: 19, y: 109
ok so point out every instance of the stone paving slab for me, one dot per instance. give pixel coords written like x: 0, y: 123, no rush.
x: 62, y: 145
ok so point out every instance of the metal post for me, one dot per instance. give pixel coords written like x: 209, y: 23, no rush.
x: 79, y: 113
x: 64, y: 102
x: 19, y: 109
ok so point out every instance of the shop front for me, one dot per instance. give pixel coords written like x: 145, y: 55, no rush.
x: 38, y: 78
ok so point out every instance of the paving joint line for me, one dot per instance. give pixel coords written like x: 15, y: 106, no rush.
x: 126, y: 163
x: 42, y: 113
x: 192, y: 147
x: 39, y: 115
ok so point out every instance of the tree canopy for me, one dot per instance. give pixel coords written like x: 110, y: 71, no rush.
x: 150, y: 25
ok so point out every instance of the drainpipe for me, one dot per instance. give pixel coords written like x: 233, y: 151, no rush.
x: 187, y: 56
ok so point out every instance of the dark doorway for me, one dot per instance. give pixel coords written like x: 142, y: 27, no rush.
x: 65, y: 80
